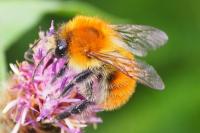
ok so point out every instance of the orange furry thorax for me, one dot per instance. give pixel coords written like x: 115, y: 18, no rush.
x: 87, y: 34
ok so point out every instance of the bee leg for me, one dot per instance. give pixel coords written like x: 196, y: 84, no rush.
x: 59, y: 74
x: 80, y: 107
x: 77, y: 80
x: 74, y: 110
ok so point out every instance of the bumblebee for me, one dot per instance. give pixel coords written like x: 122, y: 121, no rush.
x: 108, y: 53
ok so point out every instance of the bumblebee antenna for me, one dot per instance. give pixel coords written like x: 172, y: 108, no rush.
x: 28, y: 56
x: 49, y: 51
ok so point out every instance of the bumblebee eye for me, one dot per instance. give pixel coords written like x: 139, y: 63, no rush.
x: 61, y: 48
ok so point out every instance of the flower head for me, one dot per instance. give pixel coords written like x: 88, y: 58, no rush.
x: 37, y: 87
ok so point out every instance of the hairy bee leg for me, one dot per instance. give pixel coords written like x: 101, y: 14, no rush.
x: 75, y: 110
x: 59, y: 74
x: 80, y: 107
x: 77, y: 80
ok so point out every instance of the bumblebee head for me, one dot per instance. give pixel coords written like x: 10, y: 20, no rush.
x: 61, y: 48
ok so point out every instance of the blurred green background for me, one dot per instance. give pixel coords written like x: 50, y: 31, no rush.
x: 174, y: 110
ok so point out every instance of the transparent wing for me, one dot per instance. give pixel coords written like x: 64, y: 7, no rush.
x: 135, y: 69
x: 140, y: 39
x: 148, y: 76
